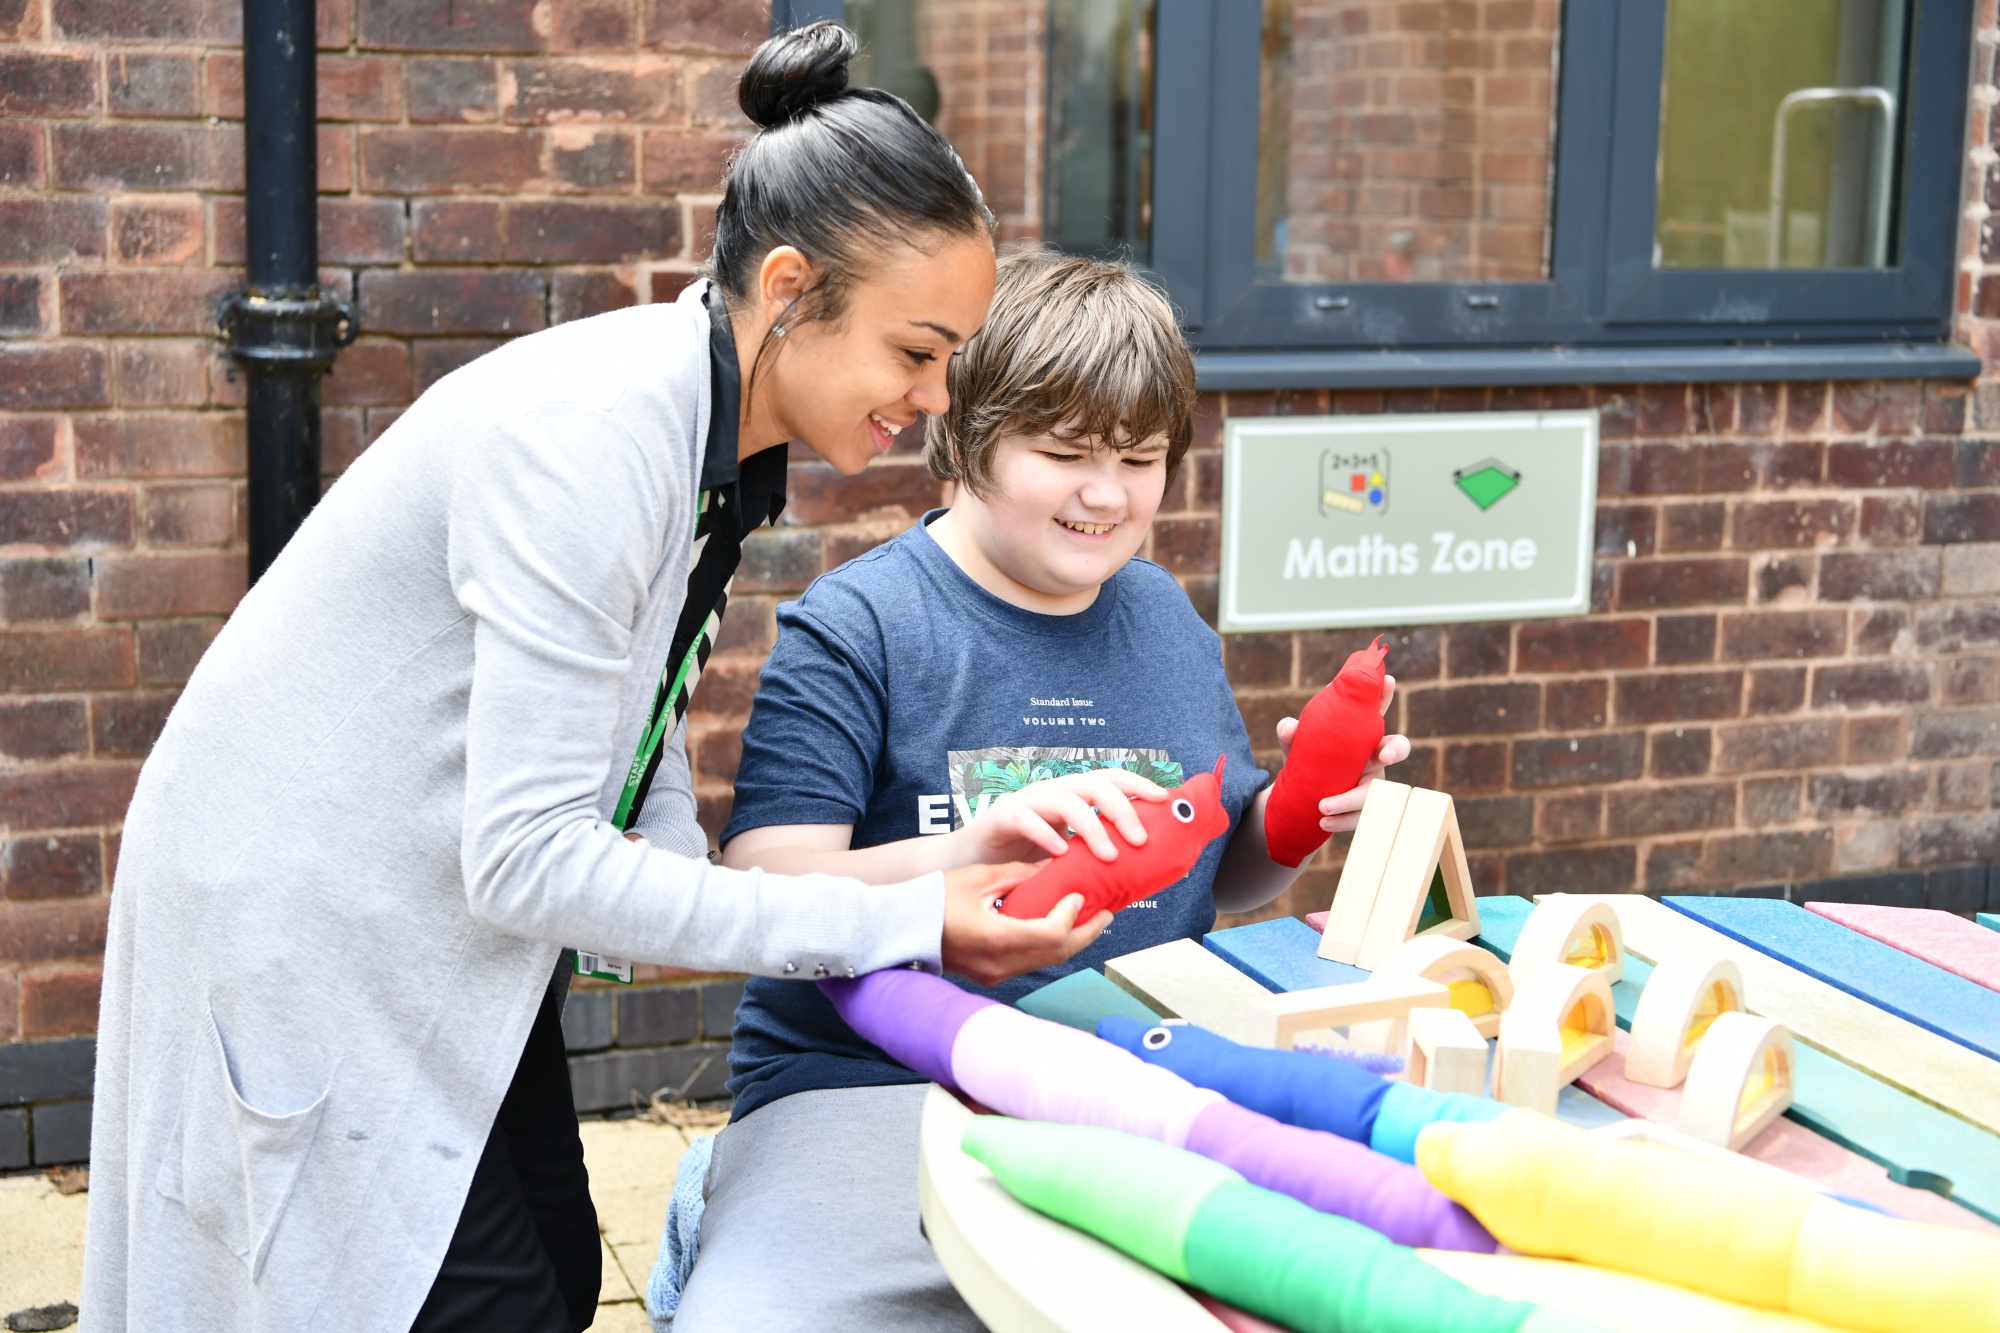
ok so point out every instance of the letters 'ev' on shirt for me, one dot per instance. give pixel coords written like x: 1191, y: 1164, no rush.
x: 902, y: 698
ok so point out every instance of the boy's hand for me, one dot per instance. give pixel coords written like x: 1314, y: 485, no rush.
x: 983, y: 946
x: 1028, y: 824
x: 1342, y: 810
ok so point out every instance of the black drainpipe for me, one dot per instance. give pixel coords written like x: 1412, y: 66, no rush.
x: 283, y: 330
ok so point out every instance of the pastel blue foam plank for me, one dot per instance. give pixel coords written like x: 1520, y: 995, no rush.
x: 1281, y: 955
x: 1081, y: 998
x: 1576, y: 1107
x: 1990, y: 920
x: 1918, y: 1144
x: 1949, y: 1005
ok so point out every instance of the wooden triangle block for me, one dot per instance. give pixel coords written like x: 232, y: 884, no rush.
x: 1426, y: 887
x: 1361, y: 875
x: 1405, y: 876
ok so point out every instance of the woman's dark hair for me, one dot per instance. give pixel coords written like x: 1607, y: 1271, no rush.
x: 836, y: 172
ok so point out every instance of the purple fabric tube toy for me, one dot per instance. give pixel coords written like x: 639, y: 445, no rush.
x: 1026, y: 1067
x: 912, y: 1015
x: 1335, y: 1175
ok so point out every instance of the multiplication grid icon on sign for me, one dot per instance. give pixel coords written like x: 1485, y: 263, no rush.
x: 1354, y: 483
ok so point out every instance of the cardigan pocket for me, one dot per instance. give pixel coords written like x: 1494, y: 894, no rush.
x: 235, y: 1166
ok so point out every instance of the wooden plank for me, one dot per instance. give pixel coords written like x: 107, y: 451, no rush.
x: 1281, y: 955
x: 1081, y: 998
x: 1897, y: 1051
x: 1867, y: 969
x: 1789, y: 1146
x: 1939, y: 938
x: 1183, y: 980
x: 1277, y: 1019
x: 1022, y: 1272
x: 1361, y: 873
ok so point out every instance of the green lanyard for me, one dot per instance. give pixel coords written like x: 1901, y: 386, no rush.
x: 662, y: 721
x: 664, y: 717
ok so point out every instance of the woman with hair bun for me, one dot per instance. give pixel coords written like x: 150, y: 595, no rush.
x: 440, y: 745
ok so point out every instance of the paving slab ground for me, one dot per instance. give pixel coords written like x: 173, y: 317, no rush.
x: 631, y: 1166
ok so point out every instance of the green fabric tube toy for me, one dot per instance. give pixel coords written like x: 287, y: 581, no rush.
x: 1203, y: 1224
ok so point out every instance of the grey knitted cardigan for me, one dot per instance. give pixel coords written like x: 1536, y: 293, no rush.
x: 377, y: 814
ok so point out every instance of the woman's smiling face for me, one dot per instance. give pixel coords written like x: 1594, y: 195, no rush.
x: 846, y: 386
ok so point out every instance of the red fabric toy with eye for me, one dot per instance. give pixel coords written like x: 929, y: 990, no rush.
x: 1339, y: 732
x: 1177, y: 829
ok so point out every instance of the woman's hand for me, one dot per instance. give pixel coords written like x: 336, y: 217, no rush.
x: 983, y: 946
x: 1027, y: 825
x: 1341, y: 811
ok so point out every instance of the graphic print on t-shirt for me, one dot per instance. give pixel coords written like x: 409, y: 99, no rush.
x: 979, y: 777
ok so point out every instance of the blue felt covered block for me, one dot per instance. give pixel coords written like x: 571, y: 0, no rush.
x: 1990, y: 920
x: 1081, y: 998
x: 1281, y: 955
x: 1500, y: 922
x: 1947, y: 1004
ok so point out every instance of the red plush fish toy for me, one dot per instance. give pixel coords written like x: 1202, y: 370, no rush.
x: 1339, y: 732
x: 1177, y: 829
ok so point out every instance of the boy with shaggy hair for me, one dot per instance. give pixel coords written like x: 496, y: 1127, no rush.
x: 1004, y: 671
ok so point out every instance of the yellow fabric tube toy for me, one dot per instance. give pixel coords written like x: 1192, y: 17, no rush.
x: 1546, y: 1189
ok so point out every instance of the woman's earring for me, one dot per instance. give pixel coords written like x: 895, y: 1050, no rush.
x: 778, y: 330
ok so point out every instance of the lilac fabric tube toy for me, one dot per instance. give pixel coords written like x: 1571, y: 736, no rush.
x: 1025, y: 1067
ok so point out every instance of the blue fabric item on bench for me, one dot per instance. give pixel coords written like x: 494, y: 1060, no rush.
x: 680, y: 1239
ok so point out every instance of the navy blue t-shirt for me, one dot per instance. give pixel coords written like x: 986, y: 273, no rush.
x: 902, y: 698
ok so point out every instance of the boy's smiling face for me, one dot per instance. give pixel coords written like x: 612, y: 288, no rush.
x: 1059, y: 518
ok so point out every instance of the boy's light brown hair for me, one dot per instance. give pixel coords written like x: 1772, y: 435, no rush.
x: 1074, y: 348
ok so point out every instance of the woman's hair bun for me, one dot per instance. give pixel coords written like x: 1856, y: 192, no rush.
x: 796, y: 71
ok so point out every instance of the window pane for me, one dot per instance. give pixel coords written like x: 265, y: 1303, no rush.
x: 1406, y: 142
x: 1780, y: 154
x: 1048, y: 101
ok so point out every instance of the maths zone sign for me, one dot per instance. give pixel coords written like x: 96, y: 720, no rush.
x: 1333, y: 522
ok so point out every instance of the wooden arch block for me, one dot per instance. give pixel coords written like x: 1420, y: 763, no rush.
x: 1687, y: 993
x: 1405, y: 876
x: 1578, y: 932
x: 1559, y: 1025
x: 1480, y: 984
x: 1741, y: 1080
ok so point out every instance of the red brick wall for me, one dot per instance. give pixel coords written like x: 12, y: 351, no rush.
x: 486, y: 168
x: 1793, y: 670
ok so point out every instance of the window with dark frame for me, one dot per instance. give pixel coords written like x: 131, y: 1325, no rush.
x: 1437, y: 191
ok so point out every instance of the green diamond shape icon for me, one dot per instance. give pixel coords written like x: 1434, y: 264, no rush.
x: 1486, y: 483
